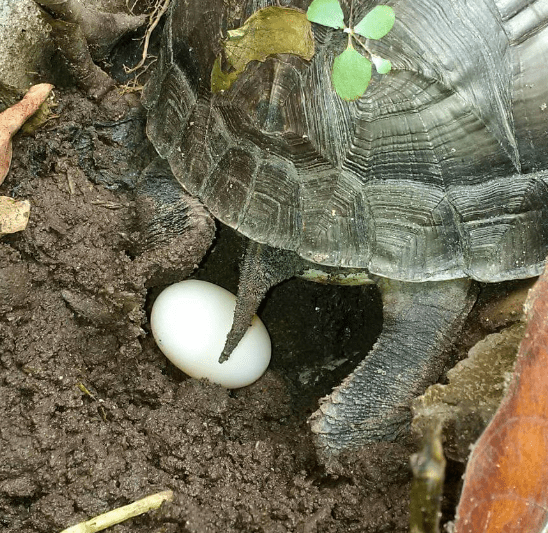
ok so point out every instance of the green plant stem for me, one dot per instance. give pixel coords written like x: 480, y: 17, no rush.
x: 103, y: 521
x: 428, y: 467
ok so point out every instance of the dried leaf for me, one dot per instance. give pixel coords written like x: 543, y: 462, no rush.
x: 14, y: 215
x: 507, y: 474
x: 270, y: 31
x: 14, y: 117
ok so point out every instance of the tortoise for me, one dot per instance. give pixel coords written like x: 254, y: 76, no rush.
x: 433, y: 180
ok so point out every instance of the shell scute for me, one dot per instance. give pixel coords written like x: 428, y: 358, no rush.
x: 438, y: 171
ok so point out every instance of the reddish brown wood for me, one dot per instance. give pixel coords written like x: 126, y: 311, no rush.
x: 14, y: 117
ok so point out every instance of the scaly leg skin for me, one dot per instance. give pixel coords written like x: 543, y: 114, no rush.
x: 372, y: 404
x: 262, y: 268
x: 175, y: 230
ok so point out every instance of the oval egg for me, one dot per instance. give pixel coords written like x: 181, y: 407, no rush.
x: 190, y: 321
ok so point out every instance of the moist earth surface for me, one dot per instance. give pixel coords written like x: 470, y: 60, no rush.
x: 93, y: 416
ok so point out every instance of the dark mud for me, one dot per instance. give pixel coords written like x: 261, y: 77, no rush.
x: 93, y: 416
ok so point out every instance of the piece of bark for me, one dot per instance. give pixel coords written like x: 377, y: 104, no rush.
x: 476, y: 385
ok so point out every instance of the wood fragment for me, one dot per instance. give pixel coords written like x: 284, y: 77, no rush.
x: 14, y: 117
x: 85, y: 390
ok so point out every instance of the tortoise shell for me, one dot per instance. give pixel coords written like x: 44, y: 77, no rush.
x: 439, y: 171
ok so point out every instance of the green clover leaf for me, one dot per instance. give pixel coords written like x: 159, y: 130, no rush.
x: 351, y: 70
x: 327, y: 13
x: 377, y: 23
x: 351, y: 73
x: 383, y: 66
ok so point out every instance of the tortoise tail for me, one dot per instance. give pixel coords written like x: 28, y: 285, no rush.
x: 262, y: 268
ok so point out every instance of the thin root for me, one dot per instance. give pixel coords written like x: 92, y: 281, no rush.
x: 133, y: 85
x: 159, y: 9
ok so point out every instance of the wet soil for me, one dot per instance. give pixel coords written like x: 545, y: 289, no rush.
x: 93, y: 416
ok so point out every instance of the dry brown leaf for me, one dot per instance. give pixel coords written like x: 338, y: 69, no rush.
x: 507, y: 474
x: 269, y: 31
x: 14, y: 215
x: 14, y: 117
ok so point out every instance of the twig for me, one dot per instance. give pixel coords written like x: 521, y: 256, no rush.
x: 133, y: 85
x: 101, y: 522
x: 130, y: 9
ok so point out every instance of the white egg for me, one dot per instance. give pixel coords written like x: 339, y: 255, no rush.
x: 190, y: 321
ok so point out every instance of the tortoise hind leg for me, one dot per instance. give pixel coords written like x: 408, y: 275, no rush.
x: 372, y: 404
x: 262, y: 268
